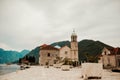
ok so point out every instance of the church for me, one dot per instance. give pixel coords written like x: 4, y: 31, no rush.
x: 49, y: 54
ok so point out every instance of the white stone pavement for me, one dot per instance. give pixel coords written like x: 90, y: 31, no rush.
x: 41, y: 73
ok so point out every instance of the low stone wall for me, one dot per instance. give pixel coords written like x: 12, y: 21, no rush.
x: 57, y: 65
x: 65, y: 67
x: 93, y: 70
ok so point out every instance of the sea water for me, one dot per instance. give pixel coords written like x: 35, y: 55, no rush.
x: 5, y: 69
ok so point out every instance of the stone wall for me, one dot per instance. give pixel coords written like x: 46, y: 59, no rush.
x: 118, y: 60
x: 108, y: 61
x: 74, y: 51
x: 92, y: 70
x: 48, y: 56
x: 65, y: 52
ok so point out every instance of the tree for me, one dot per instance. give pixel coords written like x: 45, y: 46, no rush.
x: 90, y: 58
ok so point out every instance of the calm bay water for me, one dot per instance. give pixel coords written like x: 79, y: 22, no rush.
x: 4, y: 69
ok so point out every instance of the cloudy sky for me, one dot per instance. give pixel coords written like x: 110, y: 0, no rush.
x: 25, y: 24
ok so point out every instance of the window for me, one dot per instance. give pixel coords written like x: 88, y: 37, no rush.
x: 48, y: 54
x: 105, y: 52
x: 66, y: 52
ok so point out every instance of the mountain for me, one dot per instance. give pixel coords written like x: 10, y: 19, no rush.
x: 24, y: 52
x: 86, y: 48
x: 11, y: 56
x: 34, y: 53
x: 91, y: 48
x: 61, y: 43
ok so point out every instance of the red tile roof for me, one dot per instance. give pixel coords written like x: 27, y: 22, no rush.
x: 43, y: 45
x: 48, y: 47
x: 117, y: 51
x: 114, y: 51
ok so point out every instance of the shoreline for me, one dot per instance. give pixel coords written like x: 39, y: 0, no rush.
x: 6, y: 69
x: 51, y: 73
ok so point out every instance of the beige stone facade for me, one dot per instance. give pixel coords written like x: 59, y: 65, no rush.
x: 48, y: 54
x: 109, y: 58
x: 74, y: 51
x: 65, y: 52
x: 108, y: 61
x: 74, y: 47
x: 118, y: 60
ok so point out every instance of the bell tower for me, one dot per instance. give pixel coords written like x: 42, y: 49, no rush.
x: 74, y: 47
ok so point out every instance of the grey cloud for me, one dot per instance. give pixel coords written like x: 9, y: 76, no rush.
x: 29, y: 23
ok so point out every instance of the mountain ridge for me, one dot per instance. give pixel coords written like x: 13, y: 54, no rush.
x: 10, y: 56
x: 86, y: 46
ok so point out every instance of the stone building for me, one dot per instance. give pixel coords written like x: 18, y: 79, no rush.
x: 117, y: 52
x: 110, y: 58
x: 65, y: 52
x: 49, y: 53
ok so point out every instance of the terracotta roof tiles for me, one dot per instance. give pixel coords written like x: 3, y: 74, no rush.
x: 49, y: 47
